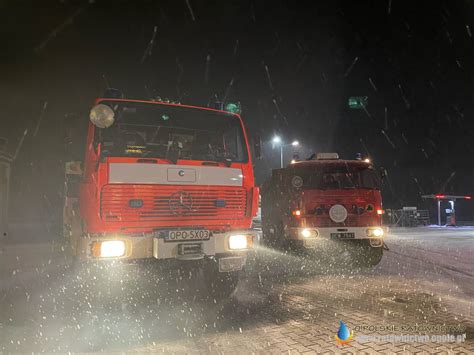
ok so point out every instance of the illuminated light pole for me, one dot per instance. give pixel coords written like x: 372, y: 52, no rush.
x: 277, y: 140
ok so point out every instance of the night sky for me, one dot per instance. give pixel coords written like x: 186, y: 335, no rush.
x: 291, y: 64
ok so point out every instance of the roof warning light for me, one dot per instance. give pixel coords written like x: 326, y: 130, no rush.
x: 327, y: 156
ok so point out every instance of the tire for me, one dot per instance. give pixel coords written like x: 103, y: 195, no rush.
x: 270, y: 236
x: 269, y: 232
x: 276, y: 239
x: 369, y: 257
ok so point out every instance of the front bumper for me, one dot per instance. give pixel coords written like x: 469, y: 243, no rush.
x: 323, y: 235
x: 152, y: 247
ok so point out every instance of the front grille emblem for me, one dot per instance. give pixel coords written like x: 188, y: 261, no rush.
x: 135, y: 203
x: 180, y: 203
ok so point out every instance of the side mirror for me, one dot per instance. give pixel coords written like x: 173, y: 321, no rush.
x: 73, y: 176
x: 74, y: 168
x: 383, y: 173
x: 257, y: 147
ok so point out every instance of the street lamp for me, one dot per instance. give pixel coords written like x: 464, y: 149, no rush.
x: 277, y: 140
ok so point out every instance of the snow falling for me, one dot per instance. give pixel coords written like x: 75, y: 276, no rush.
x: 386, y: 85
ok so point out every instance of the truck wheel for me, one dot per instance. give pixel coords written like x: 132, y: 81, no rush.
x: 280, y: 239
x: 219, y: 285
x: 369, y: 257
x: 270, y: 235
x: 276, y: 239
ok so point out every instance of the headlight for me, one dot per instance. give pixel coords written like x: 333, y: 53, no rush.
x: 108, y: 249
x: 375, y: 232
x: 309, y: 233
x: 240, y: 241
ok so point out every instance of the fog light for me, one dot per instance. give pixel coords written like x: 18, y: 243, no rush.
x: 309, y: 233
x: 375, y: 232
x: 108, y: 249
x: 240, y: 241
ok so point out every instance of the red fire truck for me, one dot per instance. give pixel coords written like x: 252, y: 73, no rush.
x: 163, y: 182
x: 326, y: 204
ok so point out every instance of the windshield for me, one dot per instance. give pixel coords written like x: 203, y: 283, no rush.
x: 340, y: 178
x: 170, y: 132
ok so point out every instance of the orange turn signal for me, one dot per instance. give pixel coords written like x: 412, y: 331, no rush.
x: 296, y: 213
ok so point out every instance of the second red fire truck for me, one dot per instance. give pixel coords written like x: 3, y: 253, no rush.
x: 327, y: 204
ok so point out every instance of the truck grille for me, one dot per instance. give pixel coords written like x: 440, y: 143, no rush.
x: 171, y: 203
x: 351, y: 221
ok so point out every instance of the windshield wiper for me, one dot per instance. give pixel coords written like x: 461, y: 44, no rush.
x: 214, y: 158
x: 226, y: 161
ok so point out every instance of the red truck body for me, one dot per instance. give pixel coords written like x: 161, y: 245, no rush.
x: 104, y: 206
x: 314, y: 204
x: 163, y: 181
x: 324, y: 202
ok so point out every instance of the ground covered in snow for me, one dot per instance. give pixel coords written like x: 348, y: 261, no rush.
x: 284, y: 303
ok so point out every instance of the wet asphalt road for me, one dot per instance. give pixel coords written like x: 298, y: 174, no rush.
x: 284, y: 302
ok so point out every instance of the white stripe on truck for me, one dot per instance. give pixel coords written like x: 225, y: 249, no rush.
x: 170, y: 174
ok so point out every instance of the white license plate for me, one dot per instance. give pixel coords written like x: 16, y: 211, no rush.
x: 187, y: 234
x: 343, y: 235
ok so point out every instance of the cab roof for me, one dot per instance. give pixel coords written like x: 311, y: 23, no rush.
x: 165, y: 103
x: 316, y: 163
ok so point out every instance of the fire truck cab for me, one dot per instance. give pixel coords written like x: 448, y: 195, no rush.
x: 327, y: 204
x: 163, y: 182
